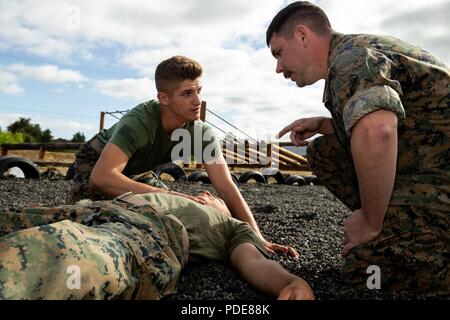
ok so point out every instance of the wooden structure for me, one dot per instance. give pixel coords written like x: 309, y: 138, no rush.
x: 238, y: 153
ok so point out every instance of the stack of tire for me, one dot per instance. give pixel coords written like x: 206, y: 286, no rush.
x: 268, y: 175
x: 296, y: 180
x: 28, y: 167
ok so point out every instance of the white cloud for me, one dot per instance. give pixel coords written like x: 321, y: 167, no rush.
x: 42, y: 28
x: 46, y: 73
x: 423, y: 23
x: 11, y: 75
x: 224, y: 36
x: 9, y: 84
x: 137, y: 89
x: 241, y: 85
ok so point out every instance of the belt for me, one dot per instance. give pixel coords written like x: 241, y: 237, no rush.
x: 129, y: 197
x: 96, y: 145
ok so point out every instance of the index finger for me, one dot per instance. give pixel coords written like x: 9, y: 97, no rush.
x: 285, y: 294
x: 285, y: 130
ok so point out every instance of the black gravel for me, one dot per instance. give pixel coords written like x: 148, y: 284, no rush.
x: 308, y: 218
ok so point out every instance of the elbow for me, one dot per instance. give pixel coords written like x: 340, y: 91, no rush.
x: 95, y: 181
x: 383, y: 133
x: 378, y: 130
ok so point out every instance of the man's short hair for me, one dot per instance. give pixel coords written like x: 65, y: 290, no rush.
x: 174, y: 70
x: 298, y: 12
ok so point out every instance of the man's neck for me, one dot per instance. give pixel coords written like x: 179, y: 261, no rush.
x: 170, y: 121
x: 325, y: 45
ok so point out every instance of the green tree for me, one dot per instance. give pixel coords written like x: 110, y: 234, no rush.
x: 8, y: 137
x: 78, y: 137
x: 31, y: 132
x: 46, y: 136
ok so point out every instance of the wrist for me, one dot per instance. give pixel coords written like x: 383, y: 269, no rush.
x: 375, y: 224
x: 325, y: 126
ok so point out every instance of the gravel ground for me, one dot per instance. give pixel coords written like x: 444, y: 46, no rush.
x: 308, y: 218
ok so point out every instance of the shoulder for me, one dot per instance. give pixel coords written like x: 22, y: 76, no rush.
x: 150, y: 107
x: 354, y: 50
x: 144, y: 115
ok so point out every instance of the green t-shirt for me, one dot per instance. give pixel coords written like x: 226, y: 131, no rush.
x: 140, y: 134
x: 212, y: 235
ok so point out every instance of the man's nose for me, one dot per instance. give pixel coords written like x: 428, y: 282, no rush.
x: 197, y: 99
x: 279, y: 67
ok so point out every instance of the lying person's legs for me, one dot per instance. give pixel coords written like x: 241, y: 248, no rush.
x: 121, y: 254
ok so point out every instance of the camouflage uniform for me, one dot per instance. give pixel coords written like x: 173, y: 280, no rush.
x: 122, y: 251
x: 85, y: 160
x: 369, y: 73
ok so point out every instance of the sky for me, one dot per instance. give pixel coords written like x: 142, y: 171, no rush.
x: 63, y: 62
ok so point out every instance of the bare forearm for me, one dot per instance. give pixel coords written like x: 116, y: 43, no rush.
x: 375, y: 158
x: 115, y: 184
x: 265, y: 275
x: 238, y: 206
x: 326, y: 126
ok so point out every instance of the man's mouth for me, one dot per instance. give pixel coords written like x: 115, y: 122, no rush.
x: 288, y: 75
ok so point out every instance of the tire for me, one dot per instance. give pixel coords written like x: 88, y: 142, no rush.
x: 252, y: 175
x: 275, y: 174
x: 234, y: 177
x: 172, y: 169
x: 295, y: 180
x: 312, y: 180
x: 28, y: 167
x: 199, y: 176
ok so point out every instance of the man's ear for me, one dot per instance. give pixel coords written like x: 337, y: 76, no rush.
x: 302, y: 34
x: 163, y: 98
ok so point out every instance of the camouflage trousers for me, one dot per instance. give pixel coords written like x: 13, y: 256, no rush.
x: 413, y: 248
x: 86, y: 158
x: 91, y: 250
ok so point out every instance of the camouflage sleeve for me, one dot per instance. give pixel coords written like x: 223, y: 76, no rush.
x: 363, y: 85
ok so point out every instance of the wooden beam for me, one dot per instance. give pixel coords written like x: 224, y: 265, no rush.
x: 203, y: 111
x: 41, y: 152
x: 291, y: 154
x: 48, y: 146
x: 102, y: 120
x: 52, y: 164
